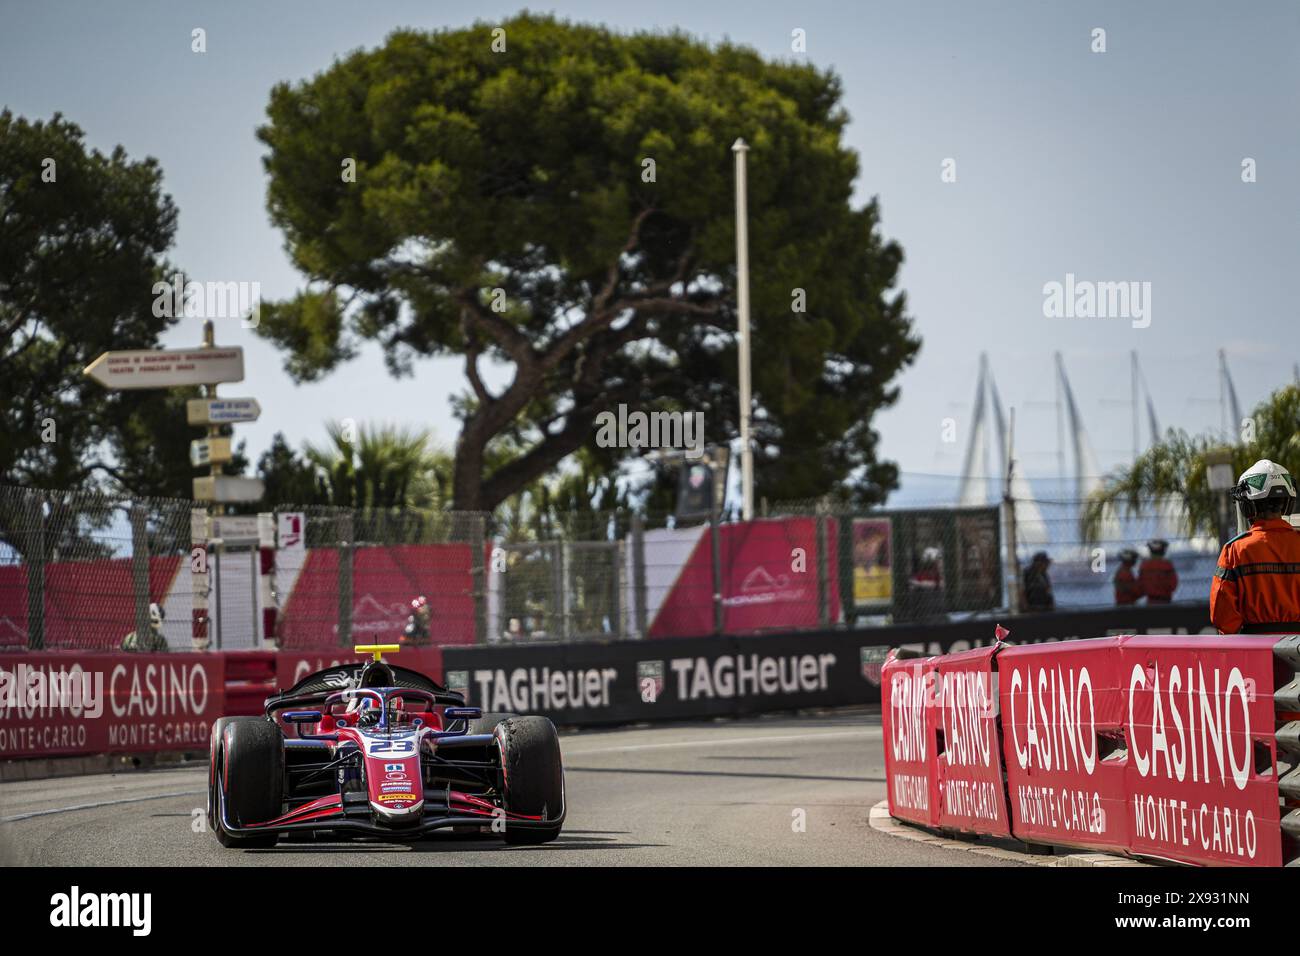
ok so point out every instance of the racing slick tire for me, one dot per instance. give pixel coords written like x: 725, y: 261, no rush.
x: 532, y: 775
x: 248, y: 759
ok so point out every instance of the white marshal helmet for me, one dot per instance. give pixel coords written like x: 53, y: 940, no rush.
x: 1264, y: 485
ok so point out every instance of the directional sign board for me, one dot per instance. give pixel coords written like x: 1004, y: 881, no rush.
x: 209, y: 451
x: 167, y: 368
x: 221, y: 411
x: 228, y: 488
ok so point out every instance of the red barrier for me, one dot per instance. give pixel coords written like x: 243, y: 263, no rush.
x: 1062, y: 718
x: 968, y: 751
x: 1200, y: 776
x: 61, y: 704
x: 1161, y: 747
x: 908, y: 727
x: 54, y: 705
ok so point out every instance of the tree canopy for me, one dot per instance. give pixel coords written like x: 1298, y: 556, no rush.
x: 558, y: 198
x: 1176, y: 466
x: 82, y: 242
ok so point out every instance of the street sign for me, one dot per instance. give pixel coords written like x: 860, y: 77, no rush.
x: 235, y: 528
x: 167, y: 368
x: 221, y: 411
x: 228, y: 488
x: 209, y: 451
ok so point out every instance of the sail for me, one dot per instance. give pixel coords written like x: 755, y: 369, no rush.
x: 1087, y: 468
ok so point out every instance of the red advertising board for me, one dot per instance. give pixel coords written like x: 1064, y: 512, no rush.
x: 908, y: 726
x: 968, y: 747
x: 384, y: 581
x: 1201, y: 773
x: 55, y: 705
x: 1063, y: 724
x: 769, y: 580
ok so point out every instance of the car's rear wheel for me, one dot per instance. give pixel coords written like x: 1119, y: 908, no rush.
x: 532, y: 776
x: 248, y: 764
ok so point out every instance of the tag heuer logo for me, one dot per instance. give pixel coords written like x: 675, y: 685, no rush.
x: 339, y: 680
x: 872, y: 658
x: 650, y: 680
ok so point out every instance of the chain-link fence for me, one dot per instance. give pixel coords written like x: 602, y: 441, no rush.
x: 345, y: 576
x: 80, y: 570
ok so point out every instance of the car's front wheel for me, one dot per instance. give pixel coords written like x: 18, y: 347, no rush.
x: 248, y: 770
x: 532, y: 776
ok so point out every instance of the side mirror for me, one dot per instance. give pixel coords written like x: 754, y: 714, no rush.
x: 463, y: 713
x: 302, y: 716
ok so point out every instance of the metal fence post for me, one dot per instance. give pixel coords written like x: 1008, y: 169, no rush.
x: 715, y: 543
x: 562, y: 573
x: 823, y: 573
x: 344, y: 525
x: 478, y: 575
x: 140, y: 567
x: 638, y: 577
x: 35, y: 558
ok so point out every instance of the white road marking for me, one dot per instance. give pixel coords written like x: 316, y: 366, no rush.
x: 720, y: 741
x: 92, y: 806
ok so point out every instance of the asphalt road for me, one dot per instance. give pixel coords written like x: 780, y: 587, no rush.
x: 725, y: 793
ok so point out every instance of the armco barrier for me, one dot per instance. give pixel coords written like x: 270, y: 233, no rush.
x: 1178, y: 748
x: 55, y: 705
x: 968, y: 744
x: 1201, y: 783
x: 589, y: 683
x: 908, y: 723
x: 1062, y: 720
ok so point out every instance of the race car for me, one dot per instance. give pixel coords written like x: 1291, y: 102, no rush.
x: 373, y: 749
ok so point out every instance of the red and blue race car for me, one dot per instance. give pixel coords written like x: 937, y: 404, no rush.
x: 373, y: 749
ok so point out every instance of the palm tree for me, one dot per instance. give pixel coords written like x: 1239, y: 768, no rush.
x: 1176, y: 465
x: 380, y: 467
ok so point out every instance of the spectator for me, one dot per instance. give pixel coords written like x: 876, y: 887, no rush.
x: 1127, y: 588
x: 1038, y: 585
x: 152, y: 641
x: 1157, y: 576
x: 417, y: 625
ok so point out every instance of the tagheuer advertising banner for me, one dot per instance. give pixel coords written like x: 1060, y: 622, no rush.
x: 594, y: 683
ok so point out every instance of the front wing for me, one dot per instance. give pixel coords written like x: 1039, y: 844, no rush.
x: 350, y: 813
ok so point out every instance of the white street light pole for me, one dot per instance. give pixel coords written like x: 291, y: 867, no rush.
x: 742, y: 310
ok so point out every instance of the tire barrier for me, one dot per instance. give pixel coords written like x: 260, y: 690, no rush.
x: 1169, y: 747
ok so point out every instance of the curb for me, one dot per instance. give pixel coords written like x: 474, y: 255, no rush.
x: 47, y: 768
x: 881, y: 820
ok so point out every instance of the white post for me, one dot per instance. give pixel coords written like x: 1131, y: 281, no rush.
x: 742, y: 311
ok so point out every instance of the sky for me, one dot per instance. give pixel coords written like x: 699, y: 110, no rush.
x: 1117, y: 166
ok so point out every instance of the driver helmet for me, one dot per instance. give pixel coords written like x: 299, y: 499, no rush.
x: 1264, y: 486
